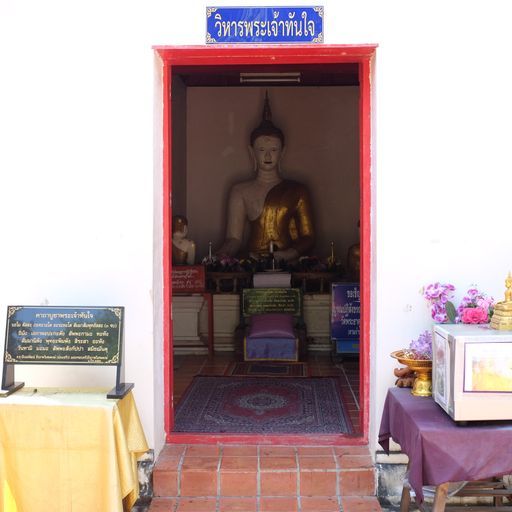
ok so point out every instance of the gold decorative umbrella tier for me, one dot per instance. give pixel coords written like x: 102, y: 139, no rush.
x: 423, y: 368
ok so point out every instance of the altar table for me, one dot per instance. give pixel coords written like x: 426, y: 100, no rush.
x: 439, y: 450
x: 69, y: 450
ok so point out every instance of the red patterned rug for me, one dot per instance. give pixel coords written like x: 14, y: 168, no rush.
x: 268, y: 369
x: 263, y: 405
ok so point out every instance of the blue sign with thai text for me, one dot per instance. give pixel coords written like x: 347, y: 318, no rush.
x: 264, y: 25
x: 345, y: 316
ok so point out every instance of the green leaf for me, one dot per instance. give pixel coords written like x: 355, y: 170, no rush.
x: 451, y: 312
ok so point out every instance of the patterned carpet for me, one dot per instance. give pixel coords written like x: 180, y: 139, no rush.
x: 268, y: 369
x: 263, y: 405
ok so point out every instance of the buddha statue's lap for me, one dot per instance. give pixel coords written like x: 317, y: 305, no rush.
x: 285, y: 220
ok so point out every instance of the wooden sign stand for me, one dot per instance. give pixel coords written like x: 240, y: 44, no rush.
x: 121, y: 388
x: 8, y: 384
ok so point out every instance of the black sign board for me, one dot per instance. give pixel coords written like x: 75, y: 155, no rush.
x: 272, y: 300
x: 64, y: 335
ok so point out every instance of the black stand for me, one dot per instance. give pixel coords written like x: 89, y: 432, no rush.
x: 122, y: 388
x: 120, y: 391
x: 8, y: 384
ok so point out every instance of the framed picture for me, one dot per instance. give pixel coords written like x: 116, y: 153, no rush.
x: 488, y: 367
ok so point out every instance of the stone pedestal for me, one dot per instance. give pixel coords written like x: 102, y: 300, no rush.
x: 185, y: 324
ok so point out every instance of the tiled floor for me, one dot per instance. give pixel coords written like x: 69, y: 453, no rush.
x: 265, y: 478
x: 320, y: 365
x: 236, y: 478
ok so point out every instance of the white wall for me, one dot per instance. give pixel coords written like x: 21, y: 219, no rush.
x: 78, y: 153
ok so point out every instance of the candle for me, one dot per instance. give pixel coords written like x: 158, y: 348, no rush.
x: 271, y: 247
x: 209, y: 250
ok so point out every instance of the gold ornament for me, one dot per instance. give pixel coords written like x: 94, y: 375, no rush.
x: 423, y: 368
x: 502, y: 316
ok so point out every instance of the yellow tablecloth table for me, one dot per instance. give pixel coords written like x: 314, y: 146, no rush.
x: 69, y: 450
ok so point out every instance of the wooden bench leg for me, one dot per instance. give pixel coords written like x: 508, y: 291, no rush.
x: 440, y: 497
x: 405, y: 500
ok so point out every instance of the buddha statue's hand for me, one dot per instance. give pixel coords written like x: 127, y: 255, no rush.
x: 230, y: 248
x: 286, y: 255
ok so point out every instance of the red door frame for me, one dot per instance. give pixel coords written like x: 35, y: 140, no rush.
x: 363, y: 55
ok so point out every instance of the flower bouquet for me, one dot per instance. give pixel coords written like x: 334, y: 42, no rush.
x: 476, y: 308
x: 441, y: 307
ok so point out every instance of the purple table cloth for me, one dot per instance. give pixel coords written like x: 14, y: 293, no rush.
x: 438, y: 449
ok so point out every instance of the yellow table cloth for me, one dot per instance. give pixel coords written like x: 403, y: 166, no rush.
x: 69, y: 450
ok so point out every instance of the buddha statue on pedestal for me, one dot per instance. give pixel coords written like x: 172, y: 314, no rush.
x: 183, y: 249
x: 277, y: 210
x: 502, y: 316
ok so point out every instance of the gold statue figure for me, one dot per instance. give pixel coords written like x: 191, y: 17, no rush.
x: 508, y: 291
x: 502, y: 315
x: 277, y: 210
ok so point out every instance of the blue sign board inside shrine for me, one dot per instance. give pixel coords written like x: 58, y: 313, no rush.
x: 264, y: 25
x: 345, y: 316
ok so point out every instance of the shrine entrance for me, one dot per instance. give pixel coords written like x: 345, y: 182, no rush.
x: 206, y: 93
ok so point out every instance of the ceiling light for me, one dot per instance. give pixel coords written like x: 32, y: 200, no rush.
x: 269, y: 77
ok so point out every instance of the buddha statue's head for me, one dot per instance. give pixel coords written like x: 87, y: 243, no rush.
x: 267, y: 141
x: 179, y: 226
x: 267, y: 127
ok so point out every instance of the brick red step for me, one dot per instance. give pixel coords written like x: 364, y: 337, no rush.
x: 227, y: 478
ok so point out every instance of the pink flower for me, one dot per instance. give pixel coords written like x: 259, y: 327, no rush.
x: 484, y: 303
x: 474, y: 316
x: 473, y: 299
x: 438, y: 295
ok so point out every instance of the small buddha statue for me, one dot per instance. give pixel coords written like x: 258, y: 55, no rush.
x: 277, y: 210
x: 502, y: 315
x: 183, y: 249
x: 508, y: 290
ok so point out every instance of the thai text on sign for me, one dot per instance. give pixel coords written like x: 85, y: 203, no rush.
x: 345, y: 311
x: 188, y: 279
x: 63, y: 335
x: 264, y: 25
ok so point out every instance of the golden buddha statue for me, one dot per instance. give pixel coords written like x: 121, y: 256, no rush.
x: 183, y: 249
x: 502, y: 315
x: 277, y: 210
